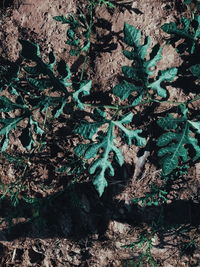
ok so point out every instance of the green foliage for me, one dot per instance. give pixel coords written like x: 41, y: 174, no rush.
x: 17, y: 161
x: 7, y: 105
x: 42, y: 83
x: 189, y: 31
x: 34, y: 91
x: 83, y: 90
x: 31, y: 51
x: 13, y: 190
x: 181, y: 134
x: 195, y: 69
x: 195, y: 3
x: 109, y: 4
x: 145, y: 242
x: 78, y: 33
x: 47, y: 87
x: 100, y: 149
x: 155, y: 197
x: 142, y: 69
x: 180, y: 171
x: 8, y: 125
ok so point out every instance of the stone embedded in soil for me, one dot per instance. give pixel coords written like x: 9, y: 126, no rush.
x: 117, y: 227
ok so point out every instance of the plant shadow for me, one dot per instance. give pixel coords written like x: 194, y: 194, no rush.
x: 6, y: 4
x: 78, y: 212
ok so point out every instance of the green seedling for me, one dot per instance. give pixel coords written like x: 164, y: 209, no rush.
x: 142, y: 70
x: 188, y: 31
x: 104, y: 145
x: 78, y: 34
x: 42, y: 83
x: 194, y: 5
x: 155, y: 197
x: 109, y: 4
x: 181, y: 133
x: 145, y: 244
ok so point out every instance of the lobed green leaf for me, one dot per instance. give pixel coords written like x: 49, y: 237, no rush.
x: 166, y: 75
x: 87, y: 130
x: 175, y: 144
x: 132, y: 36
x: 125, y: 89
x: 9, y: 124
x: 6, y: 105
x: 195, y: 69
x: 40, y: 84
x: 142, y: 70
x: 83, y: 90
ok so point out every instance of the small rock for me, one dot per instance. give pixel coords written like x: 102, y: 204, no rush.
x: 118, y: 244
x: 118, y: 227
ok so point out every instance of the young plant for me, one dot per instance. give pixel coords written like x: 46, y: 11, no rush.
x: 109, y: 4
x: 188, y: 31
x: 101, y: 148
x: 193, y: 4
x: 145, y: 244
x: 155, y: 197
x: 78, y: 34
x: 180, y: 136
x: 41, y: 84
x: 138, y: 84
x: 80, y: 27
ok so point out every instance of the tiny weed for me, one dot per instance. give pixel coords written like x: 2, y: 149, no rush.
x: 78, y: 34
x: 144, y: 243
x: 156, y: 197
x: 189, y: 248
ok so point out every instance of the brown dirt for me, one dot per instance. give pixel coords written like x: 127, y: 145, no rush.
x: 93, y: 232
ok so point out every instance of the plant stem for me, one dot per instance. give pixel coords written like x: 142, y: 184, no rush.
x: 117, y: 107
x: 83, y: 68
x: 193, y: 100
x: 89, y: 24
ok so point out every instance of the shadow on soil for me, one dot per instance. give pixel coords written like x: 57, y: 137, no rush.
x: 78, y: 212
x: 6, y: 3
